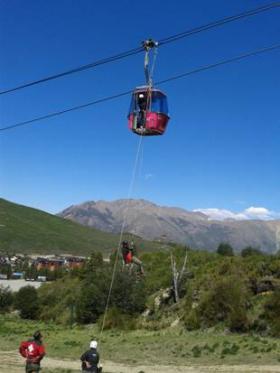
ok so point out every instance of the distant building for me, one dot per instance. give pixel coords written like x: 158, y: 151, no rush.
x: 53, y: 264
x: 50, y: 264
x: 74, y: 262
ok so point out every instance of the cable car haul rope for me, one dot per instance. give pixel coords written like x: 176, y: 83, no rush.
x: 121, y: 94
x: 134, y: 51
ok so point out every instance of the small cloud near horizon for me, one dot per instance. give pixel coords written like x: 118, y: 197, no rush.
x: 251, y: 213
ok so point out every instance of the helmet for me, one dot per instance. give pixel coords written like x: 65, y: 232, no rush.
x: 93, y: 344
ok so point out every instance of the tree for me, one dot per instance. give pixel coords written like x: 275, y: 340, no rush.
x: 225, y: 249
x: 95, y: 262
x: 271, y: 313
x: 26, y: 301
x: 31, y: 272
x: 128, y: 293
x: 178, y: 276
x: 6, y: 269
x: 226, y: 301
x: 57, y: 300
x: 250, y: 251
x: 6, y: 299
x: 91, y: 302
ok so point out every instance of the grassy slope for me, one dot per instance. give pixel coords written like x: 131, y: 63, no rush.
x: 28, y: 230
x: 172, y: 346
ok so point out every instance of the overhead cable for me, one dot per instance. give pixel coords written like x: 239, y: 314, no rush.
x: 109, y: 98
x: 134, y: 51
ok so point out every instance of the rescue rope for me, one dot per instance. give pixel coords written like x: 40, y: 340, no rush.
x: 130, y: 190
x: 153, y: 65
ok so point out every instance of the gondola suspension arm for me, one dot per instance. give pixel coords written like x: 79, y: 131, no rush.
x: 149, y: 45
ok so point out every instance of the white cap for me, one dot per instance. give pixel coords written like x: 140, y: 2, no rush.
x: 93, y: 344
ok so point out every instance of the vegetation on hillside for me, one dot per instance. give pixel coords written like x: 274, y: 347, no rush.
x: 236, y: 293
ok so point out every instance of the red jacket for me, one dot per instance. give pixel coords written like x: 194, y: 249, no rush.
x: 32, y: 350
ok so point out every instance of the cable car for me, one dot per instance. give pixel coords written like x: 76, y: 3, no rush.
x: 148, y: 113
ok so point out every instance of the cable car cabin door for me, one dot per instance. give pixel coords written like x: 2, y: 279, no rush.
x: 148, y: 114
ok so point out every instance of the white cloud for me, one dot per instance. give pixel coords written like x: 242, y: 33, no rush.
x: 251, y: 213
x: 258, y: 212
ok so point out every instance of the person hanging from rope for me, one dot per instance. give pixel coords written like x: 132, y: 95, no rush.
x: 33, y: 351
x: 129, y: 257
x: 90, y: 359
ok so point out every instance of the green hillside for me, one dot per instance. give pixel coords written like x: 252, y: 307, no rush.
x: 28, y: 230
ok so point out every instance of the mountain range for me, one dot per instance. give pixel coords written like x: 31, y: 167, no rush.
x: 153, y: 222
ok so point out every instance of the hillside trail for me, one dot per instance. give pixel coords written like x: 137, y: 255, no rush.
x: 11, y: 362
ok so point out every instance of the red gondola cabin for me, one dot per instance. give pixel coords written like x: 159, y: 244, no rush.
x: 148, y: 114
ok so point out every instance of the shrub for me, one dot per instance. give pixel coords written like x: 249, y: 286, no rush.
x: 250, y: 251
x: 26, y: 301
x: 196, y: 350
x: 192, y: 320
x: 6, y: 299
x: 225, y: 301
x: 115, y: 319
x: 91, y: 302
x: 58, y: 300
x: 225, y: 249
x: 272, y: 314
x: 128, y: 293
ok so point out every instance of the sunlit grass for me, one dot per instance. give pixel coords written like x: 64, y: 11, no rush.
x: 172, y: 346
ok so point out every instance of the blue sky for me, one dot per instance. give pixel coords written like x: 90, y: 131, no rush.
x: 221, y: 149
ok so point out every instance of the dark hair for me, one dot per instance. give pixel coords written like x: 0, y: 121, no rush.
x: 37, y: 335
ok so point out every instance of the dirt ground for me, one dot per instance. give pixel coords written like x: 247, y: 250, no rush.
x: 15, y: 285
x: 11, y: 362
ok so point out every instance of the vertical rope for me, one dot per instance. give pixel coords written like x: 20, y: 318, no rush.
x: 141, y: 161
x: 153, y: 65
x: 131, y: 186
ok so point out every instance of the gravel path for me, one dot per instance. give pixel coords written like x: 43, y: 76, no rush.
x: 12, y: 362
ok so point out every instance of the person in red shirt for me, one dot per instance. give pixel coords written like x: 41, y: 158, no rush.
x: 33, y: 351
x: 128, y: 255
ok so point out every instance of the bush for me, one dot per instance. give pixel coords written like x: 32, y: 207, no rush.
x: 6, y: 299
x: 128, y: 293
x: 250, y: 251
x: 192, y: 320
x: 58, y: 300
x: 272, y: 314
x: 91, y: 302
x: 225, y: 249
x: 115, y: 319
x: 225, y: 301
x: 26, y: 301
